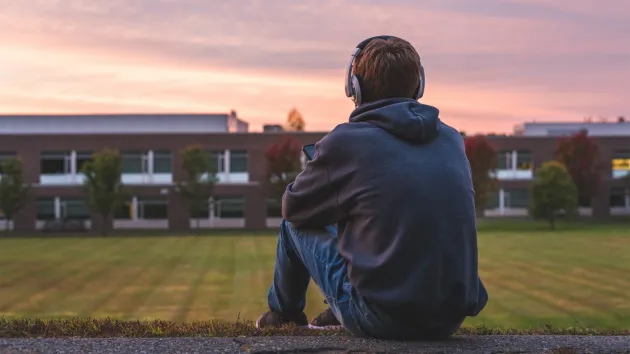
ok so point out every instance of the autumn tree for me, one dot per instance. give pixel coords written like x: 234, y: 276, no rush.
x: 580, y: 155
x: 553, y: 193
x: 482, y: 157
x: 283, y: 165
x: 295, y: 121
x: 14, y: 192
x: 198, y: 186
x: 103, y: 185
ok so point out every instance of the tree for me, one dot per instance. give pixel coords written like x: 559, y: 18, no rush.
x: 580, y: 155
x: 198, y: 186
x: 103, y: 185
x: 283, y: 165
x: 295, y: 121
x: 553, y: 193
x: 483, y: 160
x: 14, y: 192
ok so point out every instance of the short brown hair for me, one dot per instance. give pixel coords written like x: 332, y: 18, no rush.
x: 387, y: 68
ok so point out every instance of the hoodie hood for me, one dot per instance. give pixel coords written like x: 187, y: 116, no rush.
x: 403, y: 117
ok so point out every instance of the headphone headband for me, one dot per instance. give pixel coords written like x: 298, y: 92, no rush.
x: 353, y: 85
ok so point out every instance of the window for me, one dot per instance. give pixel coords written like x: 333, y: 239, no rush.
x: 618, y: 198
x: 134, y: 162
x: 203, y: 213
x: 492, y: 200
x: 4, y: 156
x: 505, y: 160
x: 74, y: 209
x: 45, y: 208
x: 238, y: 161
x: 55, y: 163
x: 124, y: 211
x: 229, y: 207
x: 274, y: 208
x: 584, y: 202
x: 82, y: 158
x: 516, y: 198
x: 152, y: 208
x: 621, y: 161
x: 162, y: 162
x: 524, y: 160
x: 217, y: 161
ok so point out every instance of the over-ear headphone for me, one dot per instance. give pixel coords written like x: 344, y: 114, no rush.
x: 353, y: 86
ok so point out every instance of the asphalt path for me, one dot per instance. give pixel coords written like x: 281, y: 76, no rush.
x: 330, y: 344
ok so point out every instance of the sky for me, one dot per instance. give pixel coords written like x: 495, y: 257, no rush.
x: 490, y: 64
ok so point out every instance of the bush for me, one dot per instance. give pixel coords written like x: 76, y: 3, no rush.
x: 553, y: 193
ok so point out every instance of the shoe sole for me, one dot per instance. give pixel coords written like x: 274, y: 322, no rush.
x: 326, y: 328
x: 257, y: 325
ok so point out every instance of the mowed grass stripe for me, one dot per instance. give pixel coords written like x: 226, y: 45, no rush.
x: 215, y: 290
x: 50, y: 301
x: 201, y: 262
x: 33, y: 287
x: 557, y: 304
x: 125, y: 274
x: 221, y: 304
x: 44, y: 254
x: 601, y: 286
x: 598, y: 274
x: 19, y: 248
x: 160, y: 273
x: 572, y: 299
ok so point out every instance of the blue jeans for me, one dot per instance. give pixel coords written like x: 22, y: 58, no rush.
x: 305, y: 254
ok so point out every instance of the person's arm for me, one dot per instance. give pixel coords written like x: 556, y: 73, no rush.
x: 312, y: 200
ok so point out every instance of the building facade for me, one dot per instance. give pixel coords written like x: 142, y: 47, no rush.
x: 151, y: 167
x: 620, y: 128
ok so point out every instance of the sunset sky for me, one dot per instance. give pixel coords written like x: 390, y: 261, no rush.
x: 490, y: 64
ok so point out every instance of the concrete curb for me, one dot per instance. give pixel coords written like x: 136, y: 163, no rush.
x: 460, y: 344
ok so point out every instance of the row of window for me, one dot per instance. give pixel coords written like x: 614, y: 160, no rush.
x: 61, y: 162
x: 144, y: 209
x: 234, y: 207
x: 136, y: 162
x: 148, y: 209
x: 523, y: 160
x: 520, y: 198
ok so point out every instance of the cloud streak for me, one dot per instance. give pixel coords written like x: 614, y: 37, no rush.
x: 515, y: 59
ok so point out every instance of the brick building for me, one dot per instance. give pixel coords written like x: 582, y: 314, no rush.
x: 54, y: 147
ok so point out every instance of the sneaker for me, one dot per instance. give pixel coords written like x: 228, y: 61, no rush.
x: 326, y: 321
x: 274, y: 319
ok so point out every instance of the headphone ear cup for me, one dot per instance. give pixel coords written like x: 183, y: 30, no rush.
x: 356, y: 88
x: 421, y: 83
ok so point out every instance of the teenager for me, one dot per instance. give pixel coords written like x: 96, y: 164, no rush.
x: 396, y: 180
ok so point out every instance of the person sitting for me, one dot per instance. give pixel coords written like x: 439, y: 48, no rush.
x: 395, y: 179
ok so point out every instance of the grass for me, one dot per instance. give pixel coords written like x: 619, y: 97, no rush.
x: 107, y: 327
x: 536, y: 279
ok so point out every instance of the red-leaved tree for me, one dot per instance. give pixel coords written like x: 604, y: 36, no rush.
x: 483, y: 161
x: 283, y: 165
x: 580, y: 155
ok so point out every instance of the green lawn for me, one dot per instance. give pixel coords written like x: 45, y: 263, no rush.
x: 534, y: 277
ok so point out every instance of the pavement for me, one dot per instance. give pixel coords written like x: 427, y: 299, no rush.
x: 329, y: 344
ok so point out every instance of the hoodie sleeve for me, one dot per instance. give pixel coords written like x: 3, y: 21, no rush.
x: 312, y: 200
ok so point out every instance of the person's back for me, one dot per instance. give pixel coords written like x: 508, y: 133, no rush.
x: 397, y: 181
x: 410, y: 236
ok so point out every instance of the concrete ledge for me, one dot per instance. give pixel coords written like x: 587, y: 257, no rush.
x: 329, y: 344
